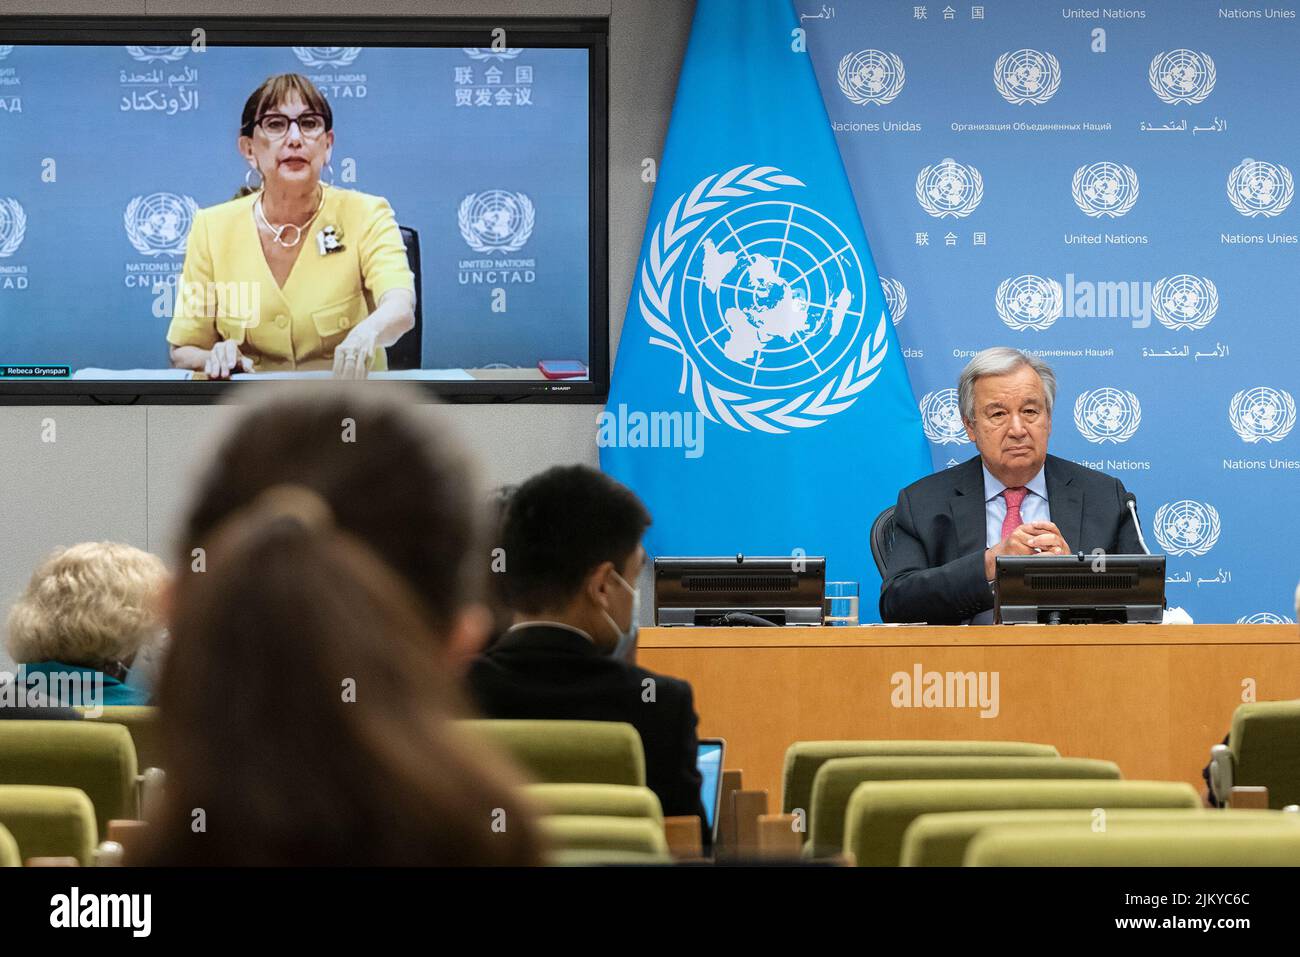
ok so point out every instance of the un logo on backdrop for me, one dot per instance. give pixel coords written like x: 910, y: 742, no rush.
x: 1028, y: 302
x: 871, y: 76
x: 1027, y: 76
x: 496, y: 221
x: 941, y: 417
x: 769, y: 296
x: 1105, y: 189
x: 1186, y: 527
x: 1107, y: 415
x: 157, y: 54
x: 895, y: 298
x: 1257, y: 188
x: 326, y: 56
x: 13, y: 226
x: 1264, y: 618
x: 158, y: 224
x: 949, y: 188
x: 1262, y: 414
x: 5, y: 51
x: 487, y: 53
x: 1184, y: 301
x: 1182, y: 76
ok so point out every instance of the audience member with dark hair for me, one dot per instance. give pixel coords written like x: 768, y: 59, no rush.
x: 305, y: 703
x: 572, y: 541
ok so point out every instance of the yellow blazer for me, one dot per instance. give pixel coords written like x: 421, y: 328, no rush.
x: 227, y: 290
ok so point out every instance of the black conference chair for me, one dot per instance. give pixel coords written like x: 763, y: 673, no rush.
x: 407, y: 352
x: 882, y: 538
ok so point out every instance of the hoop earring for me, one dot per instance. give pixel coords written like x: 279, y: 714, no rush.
x: 261, y: 180
x: 331, y: 172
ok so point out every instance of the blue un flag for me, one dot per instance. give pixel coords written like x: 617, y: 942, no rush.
x: 759, y: 403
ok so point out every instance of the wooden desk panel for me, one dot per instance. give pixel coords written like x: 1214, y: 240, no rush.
x: 1152, y: 698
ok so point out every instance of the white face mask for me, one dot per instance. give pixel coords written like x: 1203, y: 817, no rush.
x: 626, y: 639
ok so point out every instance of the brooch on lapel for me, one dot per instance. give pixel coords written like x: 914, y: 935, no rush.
x: 329, y: 240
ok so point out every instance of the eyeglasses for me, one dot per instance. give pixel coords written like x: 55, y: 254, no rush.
x: 276, y: 125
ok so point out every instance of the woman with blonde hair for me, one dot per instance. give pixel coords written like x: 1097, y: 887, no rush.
x: 86, y: 615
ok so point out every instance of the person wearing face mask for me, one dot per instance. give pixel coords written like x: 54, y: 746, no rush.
x: 572, y: 548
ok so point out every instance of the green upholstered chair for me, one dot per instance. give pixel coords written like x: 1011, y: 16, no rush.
x: 879, y: 812
x: 49, y: 821
x: 1263, y: 750
x: 567, y: 752
x: 596, y: 800
x: 579, y: 857
x: 96, y: 758
x: 9, y: 856
x: 941, y: 840
x: 804, y: 758
x: 1223, y: 844
x: 142, y: 722
x: 837, y: 778
x: 578, y: 833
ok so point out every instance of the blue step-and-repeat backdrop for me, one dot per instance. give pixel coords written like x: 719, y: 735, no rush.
x: 106, y: 151
x: 1112, y: 188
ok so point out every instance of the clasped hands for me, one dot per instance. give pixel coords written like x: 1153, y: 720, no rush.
x: 1031, y: 538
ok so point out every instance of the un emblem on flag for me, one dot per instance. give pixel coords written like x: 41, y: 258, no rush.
x: 764, y: 299
x: 1186, y: 527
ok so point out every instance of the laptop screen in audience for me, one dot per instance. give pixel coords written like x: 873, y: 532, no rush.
x: 709, y: 762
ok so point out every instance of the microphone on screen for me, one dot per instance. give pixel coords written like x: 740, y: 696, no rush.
x: 1131, y: 501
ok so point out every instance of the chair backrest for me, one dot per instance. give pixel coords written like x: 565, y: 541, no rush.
x: 572, y: 833
x: 569, y: 752
x: 880, y: 811
x: 49, y: 821
x: 1265, y: 745
x: 95, y: 757
x: 408, y: 351
x: 1224, y: 844
x: 941, y: 840
x: 837, y: 779
x: 596, y: 800
x: 804, y: 758
x: 882, y: 538
x: 142, y: 722
x: 9, y: 855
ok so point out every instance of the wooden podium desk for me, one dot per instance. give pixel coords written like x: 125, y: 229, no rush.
x: 1152, y: 698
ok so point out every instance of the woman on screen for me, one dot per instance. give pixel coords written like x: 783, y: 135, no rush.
x: 293, y: 274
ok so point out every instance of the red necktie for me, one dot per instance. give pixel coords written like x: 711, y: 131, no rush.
x: 1014, y: 496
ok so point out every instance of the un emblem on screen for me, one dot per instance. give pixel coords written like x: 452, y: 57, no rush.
x: 1028, y: 302
x: 159, y: 223
x: 1184, y: 301
x: 1107, y: 415
x: 1182, y: 76
x: 1257, y: 188
x: 157, y: 54
x: 1186, y: 527
x: 949, y: 188
x: 895, y: 298
x: 941, y: 417
x: 765, y: 300
x: 1105, y: 189
x: 13, y: 226
x: 1262, y: 414
x: 1027, y: 76
x: 326, y: 56
x: 496, y: 221
x: 871, y: 76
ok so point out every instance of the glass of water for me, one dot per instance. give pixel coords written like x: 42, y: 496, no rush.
x: 841, y: 603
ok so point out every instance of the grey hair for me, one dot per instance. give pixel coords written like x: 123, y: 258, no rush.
x: 1000, y: 360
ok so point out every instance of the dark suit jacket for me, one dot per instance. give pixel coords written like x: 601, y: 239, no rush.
x: 935, y: 570
x: 553, y: 673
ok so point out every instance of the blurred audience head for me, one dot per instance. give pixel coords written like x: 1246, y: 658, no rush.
x: 305, y: 702
x: 572, y: 540
x: 94, y: 605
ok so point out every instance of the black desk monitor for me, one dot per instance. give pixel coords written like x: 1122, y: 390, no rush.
x: 739, y: 590
x: 1079, y: 589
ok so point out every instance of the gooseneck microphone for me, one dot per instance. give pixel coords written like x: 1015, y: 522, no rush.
x: 1130, y: 500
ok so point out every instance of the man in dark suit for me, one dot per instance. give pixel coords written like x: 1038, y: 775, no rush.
x: 572, y: 548
x: 1011, y: 499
